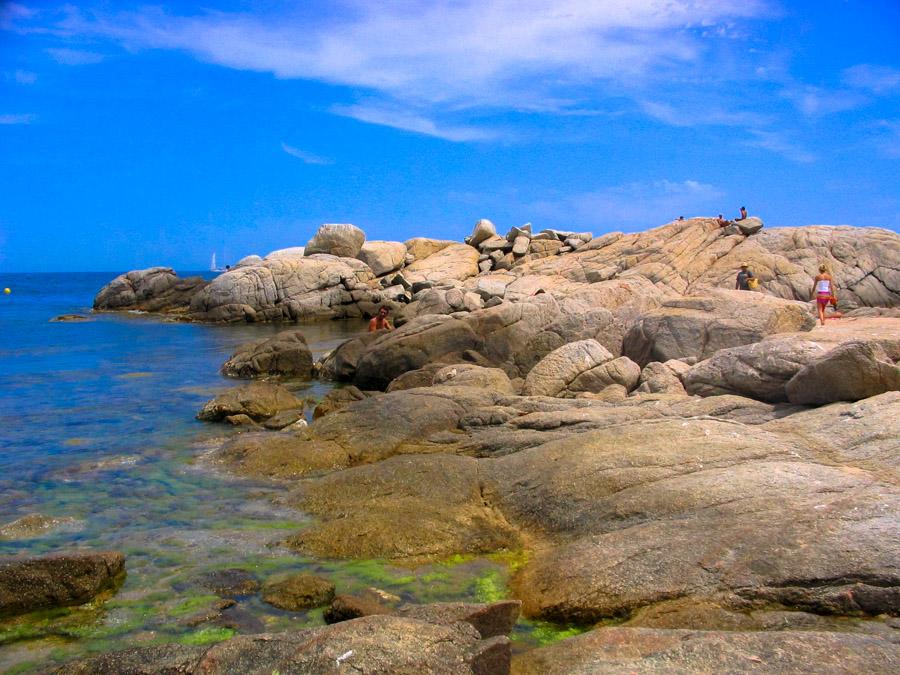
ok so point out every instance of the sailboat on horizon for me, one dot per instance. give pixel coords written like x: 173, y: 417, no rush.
x: 212, y: 265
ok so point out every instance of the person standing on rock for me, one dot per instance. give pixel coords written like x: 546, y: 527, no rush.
x: 742, y: 283
x: 380, y: 321
x: 822, y: 291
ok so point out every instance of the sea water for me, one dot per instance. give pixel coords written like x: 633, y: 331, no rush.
x: 97, y: 429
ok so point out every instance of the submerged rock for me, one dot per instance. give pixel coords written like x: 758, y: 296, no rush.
x: 298, y: 592
x: 285, y: 354
x: 57, y: 580
x: 229, y: 583
x: 35, y: 525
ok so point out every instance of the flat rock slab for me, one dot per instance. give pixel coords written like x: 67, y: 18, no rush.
x: 372, y: 644
x: 642, y: 650
x: 58, y: 580
x: 257, y: 400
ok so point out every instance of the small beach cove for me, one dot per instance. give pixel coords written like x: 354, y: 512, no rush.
x: 99, y: 434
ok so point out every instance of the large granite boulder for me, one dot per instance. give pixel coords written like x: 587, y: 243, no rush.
x: 553, y: 375
x: 646, y: 650
x: 759, y: 370
x: 57, y: 580
x: 423, y: 247
x: 849, y: 372
x: 157, y: 289
x: 285, y: 354
x: 483, y: 230
x: 383, y: 257
x: 257, y: 400
x: 371, y: 644
x: 338, y: 239
x: 698, y: 327
x: 287, y: 289
x: 659, y: 378
x: 456, y: 261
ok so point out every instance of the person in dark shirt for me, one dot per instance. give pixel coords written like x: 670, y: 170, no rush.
x: 742, y: 283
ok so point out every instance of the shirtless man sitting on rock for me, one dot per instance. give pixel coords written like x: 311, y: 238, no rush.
x: 380, y: 321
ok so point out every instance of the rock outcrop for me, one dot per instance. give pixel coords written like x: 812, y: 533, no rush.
x: 285, y: 354
x: 157, y: 289
x: 257, y: 400
x: 698, y: 327
x: 57, y: 580
x: 383, y: 257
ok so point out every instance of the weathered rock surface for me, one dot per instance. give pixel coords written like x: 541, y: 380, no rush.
x: 422, y: 247
x: 403, y: 508
x: 553, y: 374
x: 850, y: 372
x: 338, y: 239
x: 456, y: 261
x: 700, y: 326
x: 373, y: 644
x: 658, y: 378
x: 483, y: 230
x: 229, y: 583
x: 383, y: 257
x: 285, y: 354
x: 758, y: 370
x: 298, y: 592
x: 257, y: 400
x: 511, y: 336
x: 57, y: 580
x: 645, y: 650
x: 287, y: 289
x: 157, y: 289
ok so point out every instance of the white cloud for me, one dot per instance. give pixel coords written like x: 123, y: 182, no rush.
x: 774, y: 141
x: 74, y: 57
x: 631, y: 205
x: 876, y: 79
x: 306, y: 157
x: 412, y: 63
x: 20, y: 118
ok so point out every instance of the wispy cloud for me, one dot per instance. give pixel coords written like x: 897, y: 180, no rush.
x: 409, y: 121
x: 18, y: 118
x: 11, y: 13
x: 876, y: 79
x: 631, y: 205
x: 775, y: 141
x: 708, y: 113
x: 306, y: 157
x: 815, y: 101
x: 24, y: 77
x: 74, y: 57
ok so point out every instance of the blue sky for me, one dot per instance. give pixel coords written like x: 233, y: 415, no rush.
x: 134, y: 135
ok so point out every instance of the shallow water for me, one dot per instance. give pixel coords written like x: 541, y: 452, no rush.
x: 97, y: 425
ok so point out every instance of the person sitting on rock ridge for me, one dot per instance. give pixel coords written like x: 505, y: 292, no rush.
x: 742, y: 282
x: 380, y: 321
x: 721, y: 222
x: 822, y: 291
x: 743, y: 214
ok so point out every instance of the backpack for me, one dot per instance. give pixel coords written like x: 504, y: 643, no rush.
x: 752, y: 283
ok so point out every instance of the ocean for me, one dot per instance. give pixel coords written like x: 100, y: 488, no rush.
x: 97, y: 428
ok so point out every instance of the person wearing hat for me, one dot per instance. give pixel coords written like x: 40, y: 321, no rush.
x: 742, y: 283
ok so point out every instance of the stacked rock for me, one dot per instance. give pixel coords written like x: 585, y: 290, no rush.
x: 520, y: 245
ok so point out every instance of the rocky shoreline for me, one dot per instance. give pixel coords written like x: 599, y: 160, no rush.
x: 705, y: 467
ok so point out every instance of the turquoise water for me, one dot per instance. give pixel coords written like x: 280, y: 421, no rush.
x: 97, y: 426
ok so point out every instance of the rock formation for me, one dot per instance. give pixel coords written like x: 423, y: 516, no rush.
x: 285, y: 354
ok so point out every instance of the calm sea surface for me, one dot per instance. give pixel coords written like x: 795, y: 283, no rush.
x: 97, y: 426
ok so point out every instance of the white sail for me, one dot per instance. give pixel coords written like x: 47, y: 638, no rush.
x: 212, y: 265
